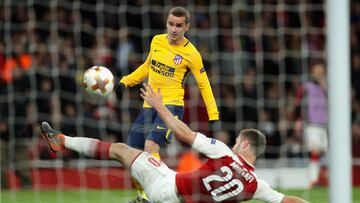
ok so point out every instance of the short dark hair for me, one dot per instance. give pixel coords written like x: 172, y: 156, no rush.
x: 256, y: 138
x: 179, y: 11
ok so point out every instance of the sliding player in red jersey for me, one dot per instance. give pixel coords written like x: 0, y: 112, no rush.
x: 227, y: 176
x: 171, y: 59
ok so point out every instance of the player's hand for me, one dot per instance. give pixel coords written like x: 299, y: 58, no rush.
x: 153, y: 98
x: 214, y: 126
x: 119, y: 88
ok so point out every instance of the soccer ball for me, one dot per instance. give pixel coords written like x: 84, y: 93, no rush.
x: 98, y: 81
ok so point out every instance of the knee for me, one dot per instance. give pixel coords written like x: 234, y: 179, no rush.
x: 116, y: 150
x: 123, y: 153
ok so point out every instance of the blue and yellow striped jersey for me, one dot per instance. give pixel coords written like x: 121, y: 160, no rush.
x: 167, y: 67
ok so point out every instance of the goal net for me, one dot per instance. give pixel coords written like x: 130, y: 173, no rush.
x: 256, y: 54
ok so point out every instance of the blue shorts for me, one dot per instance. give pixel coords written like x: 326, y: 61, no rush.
x: 149, y: 126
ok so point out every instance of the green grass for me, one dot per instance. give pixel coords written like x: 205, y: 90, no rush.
x: 75, y: 196
x: 317, y: 195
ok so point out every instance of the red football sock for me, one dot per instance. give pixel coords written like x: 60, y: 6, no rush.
x: 314, y: 156
x: 102, y: 150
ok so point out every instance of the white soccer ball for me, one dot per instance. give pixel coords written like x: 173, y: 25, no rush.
x: 98, y: 81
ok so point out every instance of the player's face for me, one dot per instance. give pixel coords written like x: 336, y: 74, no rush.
x: 318, y: 71
x: 176, y: 28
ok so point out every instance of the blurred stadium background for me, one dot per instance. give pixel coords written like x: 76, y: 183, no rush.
x: 257, y: 54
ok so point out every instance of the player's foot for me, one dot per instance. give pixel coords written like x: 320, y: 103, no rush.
x: 139, y: 200
x: 54, y: 137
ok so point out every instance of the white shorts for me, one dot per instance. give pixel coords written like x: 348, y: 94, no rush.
x: 315, y: 138
x: 156, y: 178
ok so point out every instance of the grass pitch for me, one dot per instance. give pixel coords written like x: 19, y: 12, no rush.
x: 316, y: 195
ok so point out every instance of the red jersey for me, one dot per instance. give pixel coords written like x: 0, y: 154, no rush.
x: 225, y: 177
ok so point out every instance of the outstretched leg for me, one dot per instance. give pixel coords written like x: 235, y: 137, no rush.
x: 89, y: 146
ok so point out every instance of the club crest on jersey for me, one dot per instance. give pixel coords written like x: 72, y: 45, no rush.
x: 178, y: 59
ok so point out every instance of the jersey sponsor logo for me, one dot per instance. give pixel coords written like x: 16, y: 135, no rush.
x: 202, y: 70
x: 162, y: 69
x: 178, y: 59
x: 213, y: 141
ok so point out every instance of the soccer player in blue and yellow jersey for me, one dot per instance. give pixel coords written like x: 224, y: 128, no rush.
x: 172, y: 57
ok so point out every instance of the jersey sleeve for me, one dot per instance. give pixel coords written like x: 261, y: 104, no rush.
x: 210, y: 147
x: 202, y: 80
x: 265, y: 193
x: 140, y: 73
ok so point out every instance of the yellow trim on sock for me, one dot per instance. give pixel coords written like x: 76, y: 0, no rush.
x: 168, y: 132
x: 156, y: 155
x: 140, y: 190
x: 143, y: 195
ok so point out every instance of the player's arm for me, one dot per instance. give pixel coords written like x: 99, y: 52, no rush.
x: 203, y: 83
x: 180, y: 129
x: 138, y: 75
x: 265, y: 193
x: 292, y: 199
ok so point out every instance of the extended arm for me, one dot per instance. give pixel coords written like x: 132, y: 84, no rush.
x: 180, y: 129
x: 265, y: 193
x: 138, y: 75
x: 202, y: 80
x: 292, y: 199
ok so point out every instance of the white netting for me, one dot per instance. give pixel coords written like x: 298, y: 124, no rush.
x: 256, y: 53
